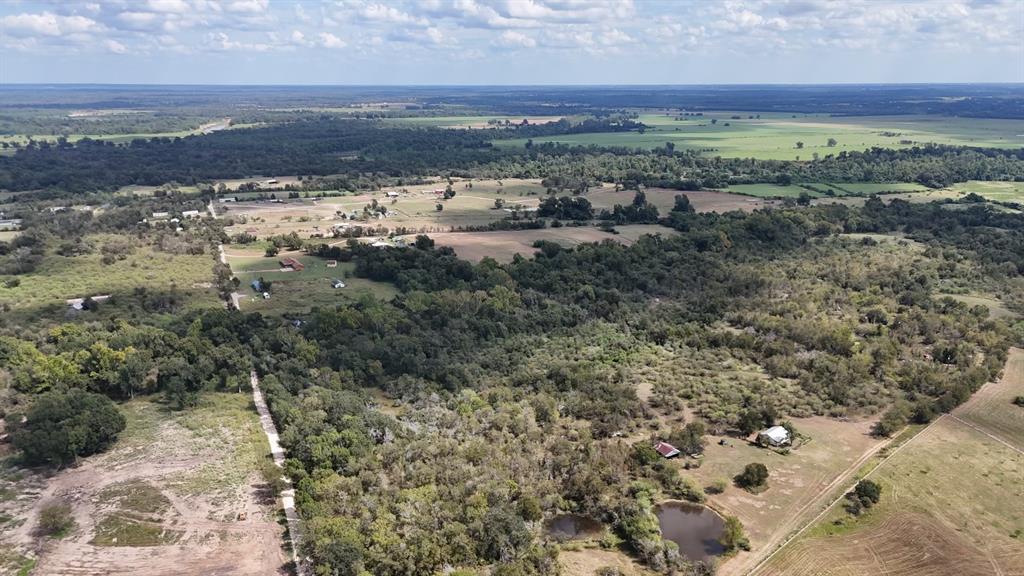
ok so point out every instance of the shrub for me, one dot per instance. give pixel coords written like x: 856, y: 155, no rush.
x: 753, y: 476
x: 717, y: 486
x: 1019, y: 401
x: 733, y: 536
x: 55, y: 519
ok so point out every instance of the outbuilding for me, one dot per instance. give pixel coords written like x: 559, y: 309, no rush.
x: 774, y: 436
x: 667, y: 450
x: 292, y: 263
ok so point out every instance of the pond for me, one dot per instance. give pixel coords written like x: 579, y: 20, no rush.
x: 573, y: 526
x: 695, y: 528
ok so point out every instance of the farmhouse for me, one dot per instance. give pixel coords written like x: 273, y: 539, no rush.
x: 667, y: 450
x: 391, y: 194
x: 190, y: 214
x: 161, y: 215
x: 337, y: 284
x: 11, y: 224
x: 292, y: 263
x: 774, y: 436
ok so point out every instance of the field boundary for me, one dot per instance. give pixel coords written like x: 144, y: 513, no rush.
x: 986, y: 433
x: 839, y: 498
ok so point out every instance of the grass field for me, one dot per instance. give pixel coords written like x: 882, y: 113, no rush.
x: 952, y: 501
x: 999, y: 191
x: 664, y: 199
x: 468, y: 121
x: 303, y: 290
x: 774, y: 136
x: 59, y: 278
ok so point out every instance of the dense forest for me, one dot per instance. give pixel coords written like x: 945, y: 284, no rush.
x: 519, y: 380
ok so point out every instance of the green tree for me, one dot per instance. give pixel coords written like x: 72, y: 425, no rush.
x: 733, y: 535
x: 754, y: 475
x: 61, y: 426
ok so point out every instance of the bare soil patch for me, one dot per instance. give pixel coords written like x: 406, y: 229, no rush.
x: 168, y: 499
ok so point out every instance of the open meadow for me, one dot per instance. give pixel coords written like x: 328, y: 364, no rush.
x: 952, y: 500
x: 775, y: 136
x: 178, y: 493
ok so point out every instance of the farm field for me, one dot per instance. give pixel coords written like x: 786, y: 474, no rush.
x: 165, y: 499
x: 992, y: 408
x: 774, y: 136
x: 928, y: 521
x: 503, y: 246
x: 999, y: 191
x: 59, y: 278
x: 299, y: 291
x: 996, y: 309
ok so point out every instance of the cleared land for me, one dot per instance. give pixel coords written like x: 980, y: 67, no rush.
x: 952, y: 501
x: 798, y: 481
x: 951, y: 504
x: 475, y: 122
x: 502, y: 246
x: 165, y: 500
x: 664, y: 199
x: 999, y: 191
x: 774, y: 136
x: 299, y: 291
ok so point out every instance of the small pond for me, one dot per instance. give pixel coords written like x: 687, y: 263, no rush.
x: 695, y: 528
x: 573, y: 526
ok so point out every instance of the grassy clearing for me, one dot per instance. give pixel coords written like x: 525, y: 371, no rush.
x: 59, y: 278
x: 770, y: 190
x: 992, y: 407
x: 944, y: 510
x: 998, y: 191
x: 468, y: 121
x: 136, y: 496
x: 996, y: 309
x: 774, y: 136
x: 224, y: 424
x: 117, y: 530
x: 303, y: 290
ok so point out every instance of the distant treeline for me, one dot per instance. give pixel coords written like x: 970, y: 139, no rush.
x: 369, y: 154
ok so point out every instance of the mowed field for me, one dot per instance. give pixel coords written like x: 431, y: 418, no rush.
x: 299, y: 291
x: 998, y: 191
x: 503, y: 246
x: 165, y: 499
x: 774, y: 136
x: 952, y: 501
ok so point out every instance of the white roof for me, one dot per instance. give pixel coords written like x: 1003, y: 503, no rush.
x: 777, y: 433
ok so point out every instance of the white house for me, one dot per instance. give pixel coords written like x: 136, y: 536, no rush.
x: 160, y: 215
x: 774, y: 436
x: 190, y: 214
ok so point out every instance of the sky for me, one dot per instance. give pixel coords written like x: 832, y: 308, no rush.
x: 510, y: 41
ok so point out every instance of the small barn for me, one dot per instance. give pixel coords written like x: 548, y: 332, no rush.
x: 337, y: 283
x: 291, y: 263
x: 774, y: 436
x: 667, y: 450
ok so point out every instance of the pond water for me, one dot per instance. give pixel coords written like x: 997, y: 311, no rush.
x: 695, y: 528
x: 570, y: 526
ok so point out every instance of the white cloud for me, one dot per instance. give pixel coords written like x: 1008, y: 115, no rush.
x: 116, y: 47
x: 47, y: 24
x: 247, y: 6
x: 328, y: 40
x: 513, y: 39
x: 172, y: 6
x: 390, y: 14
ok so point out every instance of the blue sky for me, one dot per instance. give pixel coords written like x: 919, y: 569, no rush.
x: 510, y: 41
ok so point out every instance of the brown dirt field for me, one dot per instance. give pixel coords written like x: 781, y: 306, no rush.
x: 992, y: 406
x: 587, y: 562
x: 951, y: 503
x: 502, y: 246
x: 664, y: 199
x: 197, y: 470
x: 798, y: 483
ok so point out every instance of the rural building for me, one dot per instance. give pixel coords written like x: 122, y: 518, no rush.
x: 257, y: 285
x: 337, y: 284
x: 391, y: 194
x: 190, y: 214
x: 161, y: 215
x: 10, y: 224
x: 667, y: 450
x: 292, y: 263
x: 228, y: 199
x: 382, y: 244
x: 774, y: 436
x: 79, y: 303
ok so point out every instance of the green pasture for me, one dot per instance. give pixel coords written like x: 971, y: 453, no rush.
x: 998, y: 191
x: 300, y: 291
x: 775, y: 136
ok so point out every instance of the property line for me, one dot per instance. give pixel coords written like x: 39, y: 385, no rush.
x: 839, y: 498
x: 287, y: 496
x: 992, y: 436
